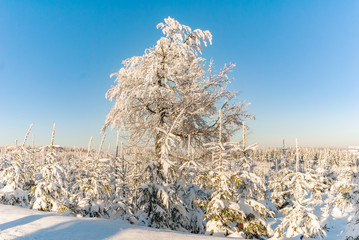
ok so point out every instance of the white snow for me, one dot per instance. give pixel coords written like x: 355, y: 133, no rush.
x: 20, y: 223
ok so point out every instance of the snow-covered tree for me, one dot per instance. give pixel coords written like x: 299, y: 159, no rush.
x: 303, y: 192
x: 236, y: 194
x: 222, y: 211
x: 17, y: 179
x: 160, y: 204
x: 91, y: 189
x: 344, y: 188
x: 169, y: 80
x: 50, y: 193
x: 352, y: 230
x: 120, y: 195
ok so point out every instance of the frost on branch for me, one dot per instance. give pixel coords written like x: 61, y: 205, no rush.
x: 170, y: 82
x: 179, y: 33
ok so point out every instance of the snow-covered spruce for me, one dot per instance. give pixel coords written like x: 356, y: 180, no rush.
x: 90, y: 192
x: 160, y: 203
x: 234, y: 200
x: 49, y: 192
x: 352, y: 230
x: 16, y: 176
x: 302, y: 193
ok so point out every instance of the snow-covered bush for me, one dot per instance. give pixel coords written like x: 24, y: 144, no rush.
x: 303, y: 191
x: 90, y: 191
x: 300, y: 219
x: 222, y: 212
x: 120, y: 203
x: 192, y: 197
x: 251, y: 195
x: 344, y: 189
x: 16, y: 177
x: 49, y: 192
x: 160, y: 203
x: 17, y: 174
x: 352, y: 230
x: 235, y: 198
x: 11, y: 196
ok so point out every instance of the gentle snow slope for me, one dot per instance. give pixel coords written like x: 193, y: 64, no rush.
x: 21, y: 223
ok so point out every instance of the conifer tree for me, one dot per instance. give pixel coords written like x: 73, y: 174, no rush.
x: 302, y: 193
x: 234, y: 200
x: 17, y: 180
x: 50, y: 192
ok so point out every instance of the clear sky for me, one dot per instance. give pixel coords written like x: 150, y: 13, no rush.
x: 297, y: 63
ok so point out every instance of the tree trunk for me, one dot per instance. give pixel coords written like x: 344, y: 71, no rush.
x: 158, y: 146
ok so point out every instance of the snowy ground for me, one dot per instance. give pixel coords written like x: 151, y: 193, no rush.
x: 20, y: 223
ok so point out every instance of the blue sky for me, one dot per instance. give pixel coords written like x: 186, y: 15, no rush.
x: 297, y: 63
